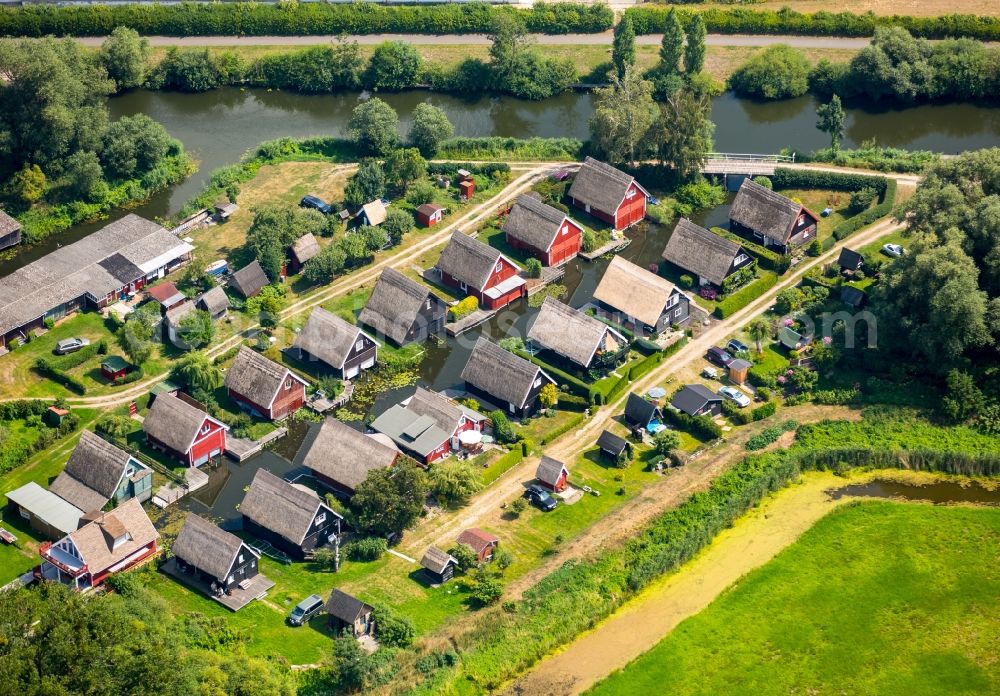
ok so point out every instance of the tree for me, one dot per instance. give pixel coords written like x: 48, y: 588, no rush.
x: 776, y: 72
x: 666, y: 442
x: 266, y: 305
x: 272, y: 231
x: 196, y: 329
x: 197, y: 372
x: 403, y: 166
x: 29, y: 183
x: 354, y: 666
x: 487, y: 590
x: 533, y: 268
x: 509, y: 41
x: 894, y: 67
x: 517, y: 506
x: 186, y: 71
x: 136, y: 338
x: 356, y: 250
x: 588, y: 241
x: 672, y: 45
x: 124, y: 54
x: 390, y: 500
x: 623, y: 46
x: 133, y: 145
x: 788, y: 300
x: 862, y: 199
x: 684, y: 133
x: 624, y: 112
x: 397, y: 224
x: 964, y: 399
x: 394, y: 65
x: 83, y: 178
x: 503, y: 431
x: 429, y: 129
x: 367, y: 184
x: 548, y: 396
x: 374, y: 125
x: 325, y: 266
x: 393, y: 631
x: 803, y: 378
x: 759, y: 330
x: 830, y: 119
x: 466, y: 557
x: 115, y: 426
x: 453, y: 482
x: 421, y: 192
x: 694, y: 50
x: 503, y: 559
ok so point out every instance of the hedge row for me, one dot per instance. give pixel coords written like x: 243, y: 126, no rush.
x: 962, y: 463
x: 45, y: 367
x: 768, y: 259
x: 22, y: 408
x: 564, y: 428
x: 741, y: 298
x: 735, y: 20
x: 785, y: 178
x: 15, y: 451
x: 699, y: 426
x: 574, y: 384
x: 512, y: 149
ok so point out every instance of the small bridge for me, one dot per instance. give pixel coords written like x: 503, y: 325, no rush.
x: 742, y: 164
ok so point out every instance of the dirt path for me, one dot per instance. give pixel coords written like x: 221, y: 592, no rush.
x: 642, y: 622
x: 483, y: 40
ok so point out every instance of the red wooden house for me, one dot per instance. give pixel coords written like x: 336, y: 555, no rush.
x: 552, y: 474
x: 481, y: 271
x: 182, y: 429
x: 428, y: 425
x: 114, y: 367
x: 545, y: 232
x: 109, y: 543
x: 482, y: 542
x: 264, y: 387
x: 608, y: 194
x: 430, y: 214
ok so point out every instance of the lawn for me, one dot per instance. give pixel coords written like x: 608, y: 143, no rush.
x: 882, y: 597
x: 817, y: 200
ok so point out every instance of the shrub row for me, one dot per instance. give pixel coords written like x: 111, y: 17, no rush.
x: 785, y: 178
x: 962, y: 463
x: 295, y: 19
x: 768, y: 259
x: 883, y: 159
x: 45, y: 367
x: 564, y: 378
x: 22, y: 408
x: 742, y: 417
x: 573, y: 402
x: 15, y: 451
x: 71, y: 360
x: 512, y: 149
x: 700, y: 426
x: 652, y: 20
x: 741, y: 298
x: 564, y: 428
x: 867, y: 217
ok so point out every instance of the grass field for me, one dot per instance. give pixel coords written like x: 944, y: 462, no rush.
x: 883, y: 598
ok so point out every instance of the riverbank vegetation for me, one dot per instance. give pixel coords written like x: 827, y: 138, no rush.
x: 297, y: 19
x: 908, y: 587
x: 62, y: 161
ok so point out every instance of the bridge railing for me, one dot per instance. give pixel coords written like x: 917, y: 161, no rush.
x: 747, y: 157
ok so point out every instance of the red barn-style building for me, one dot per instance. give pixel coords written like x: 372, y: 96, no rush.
x: 482, y: 542
x: 608, y: 194
x: 109, y: 543
x: 545, y: 232
x: 552, y: 474
x: 264, y: 387
x: 481, y: 271
x: 430, y: 214
x: 428, y: 425
x: 184, y: 430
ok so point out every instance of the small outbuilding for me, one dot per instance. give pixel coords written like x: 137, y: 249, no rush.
x: 214, y: 301
x: 348, y: 614
x: 792, y: 339
x: 304, y: 248
x: 438, y: 565
x: 167, y: 295
x: 482, y: 542
x: 552, y: 474
x: 739, y: 370
x: 249, y: 280
x: 430, y: 214
x: 697, y: 400
x: 853, y: 297
x: 614, y: 446
x: 850, y: 261
x: 114, y: 367
x: 46, y: 512
x: 467, y: 189
x: 373, y: 213
x: 224, y: 211
x: 10, y: 231
x: 639, y: 412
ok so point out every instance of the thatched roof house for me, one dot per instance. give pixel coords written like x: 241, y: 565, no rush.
x: 333, y: 340
x: 214, y: 301
x: 264, y: 386
x: 572, y: 334
x: 402, y: 309
x: 602, y: 188
x: 639, y: 294
x: 540, y: 228
x: 96, y: 472
x: 292, y: 517
x: 552, y: 473
x: 304, y: 248
x: 440, y: 565
x: 777, y: 220
x: 212, y: 550
x: 502, y: 378
x: 469, y: 261
x: 341, y: 457
x: 249, y: 280
x: 702, y: 252
x: 175, y: 424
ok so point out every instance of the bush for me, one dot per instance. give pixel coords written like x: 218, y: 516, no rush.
x: 463, y: 309
x: 700, y: 426
x: 768, y: 259
x: 686, y: 281
x: 744, y: 296
x: 235, y: 19
x: 564, y: 428
x: 366, y: 549
x: 776, y: 72
x: 487, y: 590
x: 862, y: 199
x: 764, y: 438
x: 465, y: 555
x: 883, y: 159
x: 393, y: 631
x: 533, y: 267
x: 764, y: 411
x: 503, y: 431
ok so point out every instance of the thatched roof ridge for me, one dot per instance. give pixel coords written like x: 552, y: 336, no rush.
x: 601, y: 186
x: 92, y: 474
x: 394, y: 304
x: 328, y: 337
x: 533, y: 222
x: 634, y: 291
x: 765, y: 211
x: 256, y: 377
x: 343, y: 454
x: 569, y: 332
x: 305, y: 247
x: 249, y: 280
x: 174, y: 422
x: 284, y: 509
x: 501, y: 373
x: 468, y: 260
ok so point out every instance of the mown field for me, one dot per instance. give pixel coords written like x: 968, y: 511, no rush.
x: 880, y: 597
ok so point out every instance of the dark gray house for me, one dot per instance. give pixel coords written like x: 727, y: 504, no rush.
x: 639, y: 412
x: 349, y: 614
x: 249, y: 280
x: 641, y: 301
x: 403, y: 310
x: 98, y: 474
x: 770, y: 218
x: 501, y: 378
x: 613, y: 446
x: 697, y: 400
x: 292, y: 518
x: 340, y: 345
x: 438, y: 565
x: 853, y: 297
x: 341, y: 457
x: 221, y: 559
x: 10, y: 231
x: 573, y: 335
x: 704, y: 254
x: 850, y: 261
x: 214, y: 301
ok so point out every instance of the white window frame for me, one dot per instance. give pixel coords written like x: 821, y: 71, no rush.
x: 320, y: 518
x: 463, y: 287
x: 630, y: 194
x: 740, y: 259
x: 678, y: 312
x: 359, y: 345
x: 498, y: 267
x: 538, y: 382
x: 240, y: 559
x: 672, y: 300
x: 288, y: 383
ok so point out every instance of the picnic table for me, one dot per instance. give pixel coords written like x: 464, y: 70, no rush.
x: 7, y: 536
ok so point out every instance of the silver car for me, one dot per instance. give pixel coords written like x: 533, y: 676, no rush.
x: 71, y: 345
x: 735, y: 395
x: 894, y: 250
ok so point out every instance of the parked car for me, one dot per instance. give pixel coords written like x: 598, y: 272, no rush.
x: 718, y: 356
x: 316, y: 204
x: 894, y: 250
x: 737, y: 346
x: 735, y: 395
x: 305, y: 610
x: 540, y: 498
x: 71, y: 345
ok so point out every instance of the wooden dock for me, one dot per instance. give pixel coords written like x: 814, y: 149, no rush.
x: 615, y: 245
x: 194, y: 478
x: 240, y: 449
x: 470, y: 321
